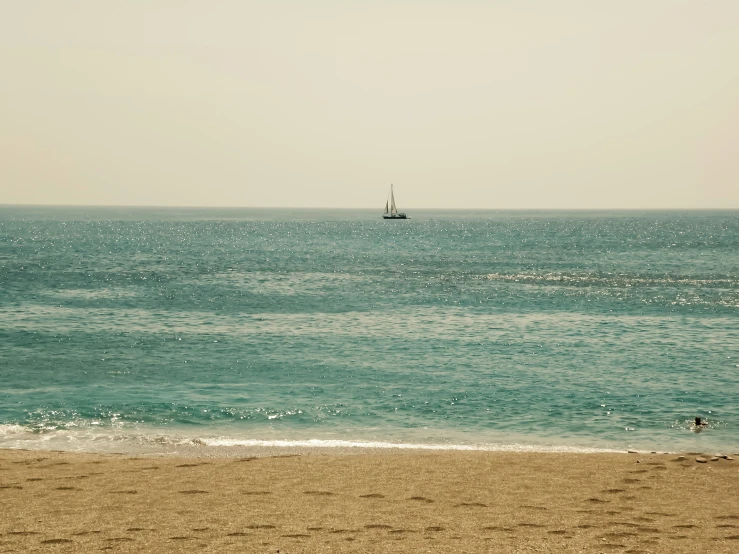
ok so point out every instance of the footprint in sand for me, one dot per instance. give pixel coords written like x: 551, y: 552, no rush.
x: 137, y: 529
x: 257, y: 493
x: 421, y: 499
x: 182, y: 538
x: 124, y: 492
x: 471, y: 505
x: 596, y: 501
x: 532, y: 525
x: 194, y: 491
x: 296, y: 536
x: 56, y: 541
x: 119, y: 539
x: 557, y: 532
x: 373, y: 495
x: 434, y: 528
x: 68, y: 489
x: 727, y: 517
x: 265, y: 526
x: 318, y: 493
x: 378, y: 526
x: 314, y: 528
x: 614, y: 491
x: 620, y: 535
x: 193, y: 465
x: 237, y: 534
x: 625, y: 523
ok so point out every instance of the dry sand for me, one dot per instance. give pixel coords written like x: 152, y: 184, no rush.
x: 372, y: 502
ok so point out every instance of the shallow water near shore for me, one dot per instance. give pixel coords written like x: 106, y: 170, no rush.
x: 132, y: 329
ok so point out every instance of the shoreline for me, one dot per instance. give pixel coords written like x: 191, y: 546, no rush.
x: 243, y: 448
x: 379, y: 501
x: 154, y: 442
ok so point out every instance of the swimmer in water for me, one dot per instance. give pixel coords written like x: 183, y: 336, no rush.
x: 699, y: 425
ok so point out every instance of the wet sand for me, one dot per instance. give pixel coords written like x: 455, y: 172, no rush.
x: 384, y: 501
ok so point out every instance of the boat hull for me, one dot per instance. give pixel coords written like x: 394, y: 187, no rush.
x: 395, y: 216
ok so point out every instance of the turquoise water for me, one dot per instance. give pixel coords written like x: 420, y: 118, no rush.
x: 129, y: 328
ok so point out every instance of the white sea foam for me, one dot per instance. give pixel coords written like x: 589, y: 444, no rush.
x: 132, y: 442
x: 321, y: 443
x: 10, y: 429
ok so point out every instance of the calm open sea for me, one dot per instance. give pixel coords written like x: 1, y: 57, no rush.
x: 127, y: 329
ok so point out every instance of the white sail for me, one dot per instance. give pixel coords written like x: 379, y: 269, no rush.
x: 393, y: 209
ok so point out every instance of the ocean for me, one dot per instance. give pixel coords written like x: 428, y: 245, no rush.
x: 151, y: 330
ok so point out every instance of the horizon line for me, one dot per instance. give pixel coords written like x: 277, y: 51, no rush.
x: 214, y: 207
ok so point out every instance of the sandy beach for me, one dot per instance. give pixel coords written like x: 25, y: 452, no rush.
x: 370, y: 502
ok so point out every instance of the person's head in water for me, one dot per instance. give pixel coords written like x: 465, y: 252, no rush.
x: 698, y: 421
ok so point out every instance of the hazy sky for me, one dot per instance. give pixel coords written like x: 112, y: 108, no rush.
x: 460, y: 104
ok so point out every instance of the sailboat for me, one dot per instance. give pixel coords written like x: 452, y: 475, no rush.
x: 391, y: 211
